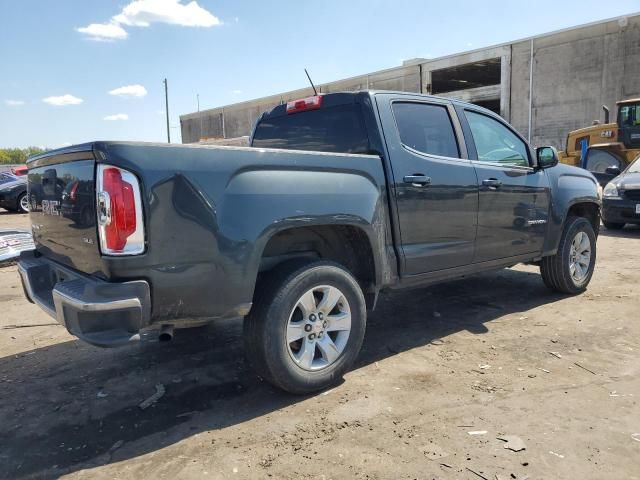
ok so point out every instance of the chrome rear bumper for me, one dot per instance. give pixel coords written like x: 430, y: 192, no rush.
x: 105, y: 314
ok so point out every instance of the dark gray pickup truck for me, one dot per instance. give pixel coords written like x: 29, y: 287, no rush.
x: 339, y: 197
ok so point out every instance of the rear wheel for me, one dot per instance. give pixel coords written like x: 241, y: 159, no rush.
x: 306, y: 326
x: 613, y: 225
x: 23, y: 203
x: 571, y: 268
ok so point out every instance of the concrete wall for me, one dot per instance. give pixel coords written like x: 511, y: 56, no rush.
x: 240, y: 118
x: 574, y: 72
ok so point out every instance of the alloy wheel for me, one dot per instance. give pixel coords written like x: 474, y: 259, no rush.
x: 318, y: 328
x: 24, y: 203
x: 580, y: 257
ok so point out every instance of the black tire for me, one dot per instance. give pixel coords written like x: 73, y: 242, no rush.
x: 265, y: 327
x: 613, y: 225
x: 555, y: 269
x: 19, y: 204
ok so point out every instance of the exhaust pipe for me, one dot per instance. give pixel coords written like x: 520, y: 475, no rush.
x: 606, y: 113
x: 166, y: 333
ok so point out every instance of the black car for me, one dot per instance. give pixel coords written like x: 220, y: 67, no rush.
x: 13, y: 195
x: 621, y: 198
x: 6, y: 177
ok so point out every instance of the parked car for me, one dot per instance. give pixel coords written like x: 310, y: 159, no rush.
x: 6, y: 177
x: 13, y: 195
x: 340, y: 197
x: 20, y: 170
x: 621, y: 197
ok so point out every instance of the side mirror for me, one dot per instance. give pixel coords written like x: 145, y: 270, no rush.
x: 613, y: 170
x: 547, y: 157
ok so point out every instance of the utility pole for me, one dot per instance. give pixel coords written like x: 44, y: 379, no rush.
x: 199, y: 115
x: 166, y: 108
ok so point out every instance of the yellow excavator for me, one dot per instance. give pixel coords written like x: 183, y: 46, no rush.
x: 604, y: 148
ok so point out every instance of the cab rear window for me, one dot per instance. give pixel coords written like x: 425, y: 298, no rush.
x: 338, y: 129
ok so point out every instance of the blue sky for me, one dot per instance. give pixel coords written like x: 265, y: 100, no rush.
x: 227, y: 51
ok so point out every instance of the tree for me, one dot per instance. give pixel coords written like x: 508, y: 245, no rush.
x: 16, y: 156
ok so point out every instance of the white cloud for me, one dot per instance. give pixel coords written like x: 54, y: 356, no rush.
x: 129, y: 91
x: 117, y: 116
x: 142, y: 13
x: 14, y: 103
x: 237, y: 92
x: 104, y: 32
x: 63, y: 100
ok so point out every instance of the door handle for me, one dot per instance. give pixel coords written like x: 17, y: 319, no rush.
x: 491, y: 183
x: 417, y: 180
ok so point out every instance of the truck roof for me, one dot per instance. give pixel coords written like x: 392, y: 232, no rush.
x: 629, y: 100
x: 88, y: 146
x: 393, y: 92
x: 416, y: 94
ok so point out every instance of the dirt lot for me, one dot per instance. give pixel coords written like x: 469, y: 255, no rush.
x: 438, y: 363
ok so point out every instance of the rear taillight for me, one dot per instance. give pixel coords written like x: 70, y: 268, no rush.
x: 120, y: 222
x: 304, y: 104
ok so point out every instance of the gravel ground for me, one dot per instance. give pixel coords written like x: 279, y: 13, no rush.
x: 444, y: 372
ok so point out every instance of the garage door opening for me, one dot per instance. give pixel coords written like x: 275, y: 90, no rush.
x: 463, y: 77
x: 493, y: 105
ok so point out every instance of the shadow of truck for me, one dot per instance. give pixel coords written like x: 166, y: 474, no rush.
x: 56, y: 421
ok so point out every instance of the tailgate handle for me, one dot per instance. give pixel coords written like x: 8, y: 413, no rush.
x: 417, y: 180
x: 492, y: 183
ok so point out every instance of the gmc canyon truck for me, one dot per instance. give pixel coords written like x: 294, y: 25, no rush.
x: 338, y: 197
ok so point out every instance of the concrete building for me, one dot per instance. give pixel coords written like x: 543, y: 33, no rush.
x: 545, y: 85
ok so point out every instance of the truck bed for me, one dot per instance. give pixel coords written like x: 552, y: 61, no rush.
x: 208, y: 214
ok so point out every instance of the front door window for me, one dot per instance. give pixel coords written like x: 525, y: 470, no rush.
x: 495, y: 143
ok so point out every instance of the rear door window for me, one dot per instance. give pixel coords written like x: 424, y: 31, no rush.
x: 338, y: 129
x: 426, y: 128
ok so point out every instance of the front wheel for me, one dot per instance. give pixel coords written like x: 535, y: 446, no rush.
x: 23, y: 203
x: 571, y: 268
x: 306, y: 326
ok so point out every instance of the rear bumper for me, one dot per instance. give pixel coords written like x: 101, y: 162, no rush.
x: 620, y: 211
x: 101, y: 313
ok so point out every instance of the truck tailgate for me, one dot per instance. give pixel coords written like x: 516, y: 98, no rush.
x: 63, y: 209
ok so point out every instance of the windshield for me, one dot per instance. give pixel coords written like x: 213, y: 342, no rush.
x: 7, y: 177
x: 629, y: 115
x: 635, y: 166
